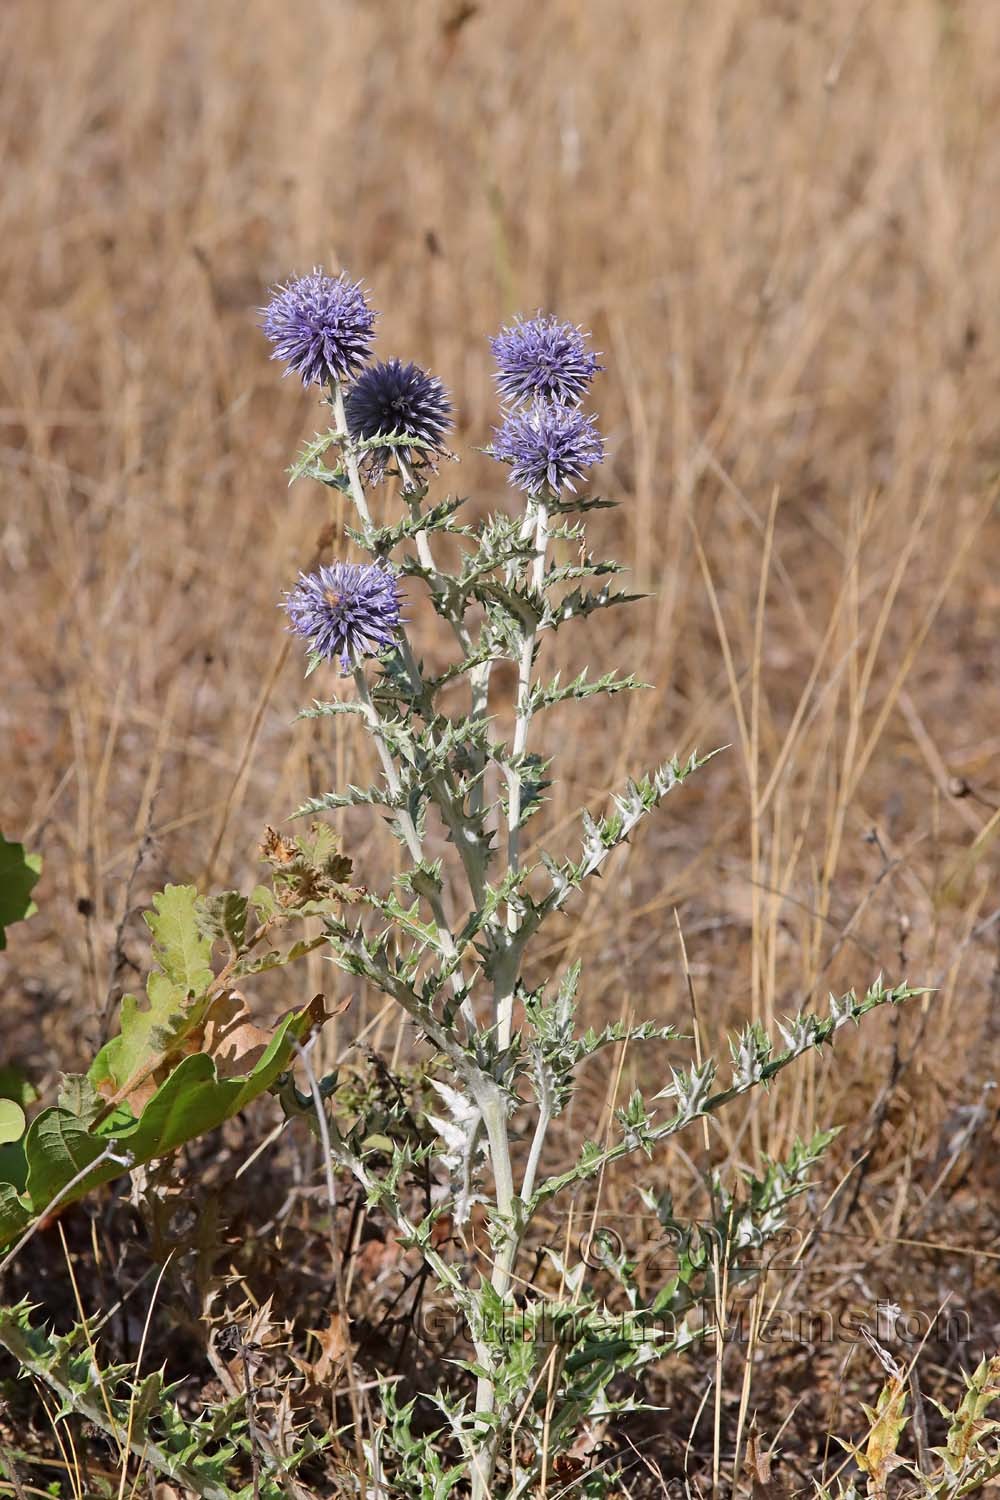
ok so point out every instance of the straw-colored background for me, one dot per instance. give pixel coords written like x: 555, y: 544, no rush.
x: 780, y: 220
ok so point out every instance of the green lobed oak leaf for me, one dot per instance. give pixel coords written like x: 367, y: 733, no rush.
x: 145, y: 1032
x: 17, y: 1091
x: 223, y: 918
x: 78, y: 1096
x: 19, y: 874
x: 181, y: 949
x: 12, y: 1121
x: 193, y: 1099
x: 183, y: 952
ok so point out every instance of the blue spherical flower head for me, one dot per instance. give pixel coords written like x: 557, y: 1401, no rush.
x: 321, y: 326
x: 391, y: 399
x: 548, y: 445
x: 348, y: 610
x: 542, y: 357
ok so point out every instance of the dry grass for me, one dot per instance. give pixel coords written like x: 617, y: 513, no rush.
x: 780, y: 220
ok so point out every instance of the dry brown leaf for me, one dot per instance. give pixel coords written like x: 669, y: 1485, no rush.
x: 231, y: 1038
x: 333, y: 1350
x: 757, y: 1465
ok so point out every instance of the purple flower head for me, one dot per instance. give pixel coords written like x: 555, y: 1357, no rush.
x: 392, y: 399
x: 320, y: 326
x: 547, y: 444
x: 348, y: 610
x: 543, y: 357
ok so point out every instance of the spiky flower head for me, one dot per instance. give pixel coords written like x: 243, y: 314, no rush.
x: 346, y: 610
x: 321, y: 326
x: 547, y: 444
x: 542, y: 357
x: 391, y: 399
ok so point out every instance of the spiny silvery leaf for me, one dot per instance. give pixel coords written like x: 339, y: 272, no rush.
x: 568, y: 532
x: 620, y: 1031
x: 409, y: 566
x: 461, y: 1131
x: 757, y: 1220
x: 423, y: 879
x: 586, y: 567
x: 308, y: 459
x: 321, y: 710
x: 568, y: 503
x: 533, y: 783
x: 545, y: 695
x: 581, y: 603
x: 483, y: 917
x: 354, y: 796
x: 192, y: 1450
x: 395, y: 688
x: 524, y: 604
x: 602, y: 836
x: 751, y: 1051
x: 502, y: 542
x: 443, y: 738
x: 554, y: 1052
x: 408, y: 919
x: 479, y: 658
x: 691, y: 1089
x: 635, y: 1122
x: 393, y: 440
x: 571, y: 1277
x: 800, y: 1032
x: 502, y: 632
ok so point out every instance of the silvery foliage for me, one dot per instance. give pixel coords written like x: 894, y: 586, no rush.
x: 449, y: 942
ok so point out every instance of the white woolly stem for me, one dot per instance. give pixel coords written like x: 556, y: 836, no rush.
x: 479, y: 677
x: 470, y: 860
x: 538, y: 516
x: 414, y: 843
x: 350, y: 457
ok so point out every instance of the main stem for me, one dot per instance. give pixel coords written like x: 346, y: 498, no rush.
x: 510, y: 1207
x: 479, y: 676
x: 538, y: 516
x: 414, y: 843
x: 491, y: 1097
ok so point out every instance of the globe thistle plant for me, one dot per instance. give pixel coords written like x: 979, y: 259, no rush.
x: 321, y: 326
x: 348, y: 611
x: 392, y: 399
x: 543, y: 358
x: 449, y: 940
x: 548, y: 445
